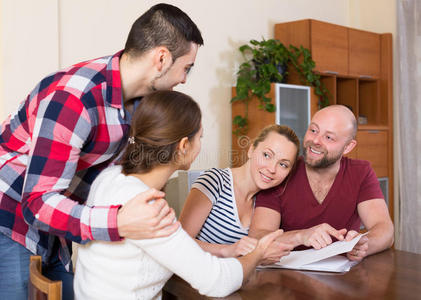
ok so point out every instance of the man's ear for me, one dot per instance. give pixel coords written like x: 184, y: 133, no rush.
x: 351, y: 145
x: 162, y: 58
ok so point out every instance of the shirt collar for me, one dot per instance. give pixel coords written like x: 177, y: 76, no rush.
x: 114, y: 91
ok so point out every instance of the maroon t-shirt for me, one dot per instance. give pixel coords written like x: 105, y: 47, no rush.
x: 294, y: 200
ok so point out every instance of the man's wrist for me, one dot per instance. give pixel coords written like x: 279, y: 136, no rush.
x: 114, y: 229
x: 299, y: 238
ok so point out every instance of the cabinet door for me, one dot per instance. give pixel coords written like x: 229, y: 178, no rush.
x: 372, y: 146
x: 364, y: 53
x: 257, y: 120
x: 329, y: 47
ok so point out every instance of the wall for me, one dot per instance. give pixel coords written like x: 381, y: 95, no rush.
x: 383, y: 20
x: 28, y: 48
x: 64, y: 32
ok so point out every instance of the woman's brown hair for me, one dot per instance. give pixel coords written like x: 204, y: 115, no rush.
x: 160, y: 121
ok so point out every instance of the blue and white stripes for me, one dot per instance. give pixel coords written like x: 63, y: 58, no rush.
x: 223, y: 225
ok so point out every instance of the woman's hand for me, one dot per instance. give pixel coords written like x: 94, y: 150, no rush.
x: 272, y: 248
x: 242, y: 247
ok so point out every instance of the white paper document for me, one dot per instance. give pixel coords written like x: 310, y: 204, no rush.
x: 325, y: 259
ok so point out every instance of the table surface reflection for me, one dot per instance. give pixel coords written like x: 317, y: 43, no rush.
x: 391, y: 274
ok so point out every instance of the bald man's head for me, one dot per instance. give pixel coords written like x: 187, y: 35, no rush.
x: 330, y: 135
x: 342, y: 116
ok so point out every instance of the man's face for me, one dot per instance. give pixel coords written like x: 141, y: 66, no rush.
x: 177, y: 72
x: 325, y: 140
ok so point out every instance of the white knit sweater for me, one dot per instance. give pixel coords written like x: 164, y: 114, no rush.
x: 138, y: 269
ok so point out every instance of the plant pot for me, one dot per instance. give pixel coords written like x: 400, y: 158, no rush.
x: 282, y: 70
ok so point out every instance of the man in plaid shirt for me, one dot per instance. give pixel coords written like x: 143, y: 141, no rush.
x: 70, y: 127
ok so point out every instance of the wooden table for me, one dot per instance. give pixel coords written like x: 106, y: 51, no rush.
x: 391, y: 274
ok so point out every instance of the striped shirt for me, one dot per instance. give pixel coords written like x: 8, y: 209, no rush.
x: 68, y: 129
x: 223, y: 224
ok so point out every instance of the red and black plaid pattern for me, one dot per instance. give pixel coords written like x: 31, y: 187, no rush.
x: 64, y: 133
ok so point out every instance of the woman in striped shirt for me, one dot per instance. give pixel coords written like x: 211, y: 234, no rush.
x: 220, y: 206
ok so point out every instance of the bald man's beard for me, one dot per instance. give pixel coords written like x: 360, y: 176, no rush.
x: 327, y: 160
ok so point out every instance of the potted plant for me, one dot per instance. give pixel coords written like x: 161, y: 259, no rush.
x: 265, y: 62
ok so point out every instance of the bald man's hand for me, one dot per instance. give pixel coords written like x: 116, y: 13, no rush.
x: 320, y: 236
x: 146, y: 216
x: 360, y: 249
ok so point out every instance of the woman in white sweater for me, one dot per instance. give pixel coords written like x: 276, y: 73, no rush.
x: 164, y: 137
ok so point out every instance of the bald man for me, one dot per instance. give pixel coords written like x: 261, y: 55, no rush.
x: 328, y: 195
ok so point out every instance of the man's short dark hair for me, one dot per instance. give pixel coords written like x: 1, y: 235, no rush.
x: 163, y: 25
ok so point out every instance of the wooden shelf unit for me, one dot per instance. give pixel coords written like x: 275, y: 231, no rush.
x: 356, y: 67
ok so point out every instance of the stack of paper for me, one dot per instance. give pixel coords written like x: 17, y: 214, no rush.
x: 325, y: 259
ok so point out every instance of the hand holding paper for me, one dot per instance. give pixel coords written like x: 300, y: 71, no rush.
x: 360, y: 249
x: 325, y: 259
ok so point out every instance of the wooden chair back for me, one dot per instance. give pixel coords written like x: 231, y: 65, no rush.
x: 40, y: 287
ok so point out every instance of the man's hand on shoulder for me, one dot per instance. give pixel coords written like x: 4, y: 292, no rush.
x: 319, y: 236
x: 146, y: 216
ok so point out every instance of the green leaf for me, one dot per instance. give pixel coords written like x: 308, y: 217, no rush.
x: 244, y: 48
x: 310, y: 77
x: 259, y: 69
x: 270, y: 107
x: 239, y: 121
x: 266, y: 99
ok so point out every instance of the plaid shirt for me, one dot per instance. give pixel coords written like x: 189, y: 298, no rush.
x: 68, y: 129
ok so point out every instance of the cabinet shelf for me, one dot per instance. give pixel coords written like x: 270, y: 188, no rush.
x: 372, y: 127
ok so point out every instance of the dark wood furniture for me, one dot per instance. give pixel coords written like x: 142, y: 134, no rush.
x: 391, y: 274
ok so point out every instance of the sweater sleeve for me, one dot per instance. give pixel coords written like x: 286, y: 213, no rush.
x: 210, y: 275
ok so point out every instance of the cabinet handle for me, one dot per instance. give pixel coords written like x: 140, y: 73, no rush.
x: 366, y: 76
x: 373, y: 131
x: 331, y: 72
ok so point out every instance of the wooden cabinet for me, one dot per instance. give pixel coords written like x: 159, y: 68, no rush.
x: 257, y: 119
x: 327, y: 42
x: 356, y: 67
x: 372, y: 145
x: 335, y: 49
x: 329, y: 47
x: 347, y: 93
x: 364, y: 53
